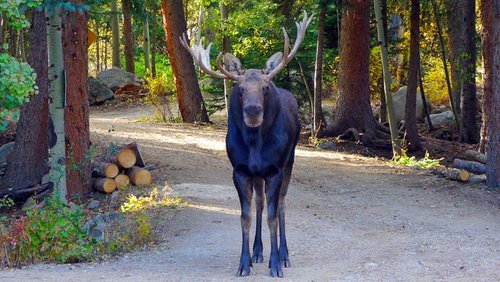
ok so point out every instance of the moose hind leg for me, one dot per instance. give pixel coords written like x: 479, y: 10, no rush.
x: 258, y: 184
x: 243, y: 185
x: 283, y: 250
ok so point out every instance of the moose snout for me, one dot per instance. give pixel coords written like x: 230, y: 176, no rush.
x: 252, y: 110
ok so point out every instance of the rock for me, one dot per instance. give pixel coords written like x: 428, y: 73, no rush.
x: 94, y: 204
x: 5, y: 151
x: 439, y: 110
x: 95, y: 227
x: 399, y: 101
x: 328, y: 145
x: 442, y: 118
x: 98, y: 92
x: 116, y: 78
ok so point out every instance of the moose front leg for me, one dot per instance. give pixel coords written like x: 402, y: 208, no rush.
x: 243, y: 185
x: 258, y: 185
x: 273, y: 186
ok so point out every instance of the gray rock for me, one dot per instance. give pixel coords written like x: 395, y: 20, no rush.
x: 116, y: 78
x: 95, y: 227
x: 328, y: 145
x: 442, y: 118
x: 94, y: 204
x: 399, y: 101
x: 98, y: 91
x: 5, y: 151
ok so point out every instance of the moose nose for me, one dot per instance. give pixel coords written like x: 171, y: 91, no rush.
x: 253, y: 110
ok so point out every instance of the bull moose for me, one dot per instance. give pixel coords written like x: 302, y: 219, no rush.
x: 262, y: 132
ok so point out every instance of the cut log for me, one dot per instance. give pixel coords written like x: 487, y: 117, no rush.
x: 126, y: 158
x: 475, y: 156
x: 472, y: 166
x: 139, y: 160
x: 456, y: 174
x: 477, y: 179
x: 122, y: 181
x: 139, y: 176
x: 104, y: 169
x: 105, y: 185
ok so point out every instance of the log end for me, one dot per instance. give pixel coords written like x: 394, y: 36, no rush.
x: 122, y: 181
x: 126, y: 158
x: 112, y: 171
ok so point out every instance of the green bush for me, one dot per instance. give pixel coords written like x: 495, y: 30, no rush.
x: 435, y: 82
x: 161, y: 93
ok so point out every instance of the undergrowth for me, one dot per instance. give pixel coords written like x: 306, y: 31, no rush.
x: 425, y: 163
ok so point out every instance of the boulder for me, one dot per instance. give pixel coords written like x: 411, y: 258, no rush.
x: 399, y: 101
x: 98, y: 92
x: 5, y: 151
x: 442, y: 118
x: 116, y: 78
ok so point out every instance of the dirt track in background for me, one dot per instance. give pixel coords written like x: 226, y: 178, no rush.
x: 348, y: 218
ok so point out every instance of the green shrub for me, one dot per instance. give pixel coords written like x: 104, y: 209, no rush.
x: 161, y: 93
x: 435, y: 82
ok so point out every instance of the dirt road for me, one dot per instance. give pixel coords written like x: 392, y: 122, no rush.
x: 348, y: 218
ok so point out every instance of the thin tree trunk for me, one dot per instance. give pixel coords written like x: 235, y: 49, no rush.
x: 445, y: 64
x: 57, y: 150
x: 76, y: 111
x: 424, y: 100
x: 105, y: 55
x: 396, y: 146
x: 383, y: 103
x: 28, y: 161
x: 153, y: 40
x: 493, y: 162
x: 226, y: 45
x: 146, y: 46
x: 115, y: 29
x: 317, y: 126
x: 97, y: 51
x: 455, y: 17
x: 411, y: 97
x: 189, y: 97
x: 487, y: 38
x: 127, y: 34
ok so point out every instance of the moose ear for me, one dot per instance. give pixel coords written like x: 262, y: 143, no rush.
x: 273, y: 61
x: 233, y: 64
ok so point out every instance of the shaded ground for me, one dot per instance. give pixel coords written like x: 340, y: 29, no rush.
x: 349, y: 218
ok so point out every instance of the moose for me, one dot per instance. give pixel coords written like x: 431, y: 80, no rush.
x: 262, y: 132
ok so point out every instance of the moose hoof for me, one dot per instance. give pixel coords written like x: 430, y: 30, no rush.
x: 258, y: 258
x: 244, y: 268
x: 276, y: 271
x: 285, y: 262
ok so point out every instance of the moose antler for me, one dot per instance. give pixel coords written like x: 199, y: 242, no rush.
x: 287, y: 54
x: 202, y: 58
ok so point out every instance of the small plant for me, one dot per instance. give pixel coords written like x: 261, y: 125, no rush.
x: 426, y: 162
x: 6, y: 202
x: 134, y: 203
x: 160, y: 93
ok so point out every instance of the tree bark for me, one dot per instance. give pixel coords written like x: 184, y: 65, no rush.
x: 411, y: 97
x: 127, y: 34
x: 115, y: 34
x: 487, y: 41
x: 455, y: 18
x: 28, y: 161
x: 146, y: 45
x: 189, y: 96
x: 97, y: 49
x: 153, y: 40
x: 57, y: 147
x: 353, y: 104
x: 469, y: 132
x: 226, y: 46
x: 383, y: 103
x: 76, y: 110
x: 493, y: 165
x: 318, y: 126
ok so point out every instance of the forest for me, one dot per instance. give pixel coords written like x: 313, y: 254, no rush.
x: 415, y: 83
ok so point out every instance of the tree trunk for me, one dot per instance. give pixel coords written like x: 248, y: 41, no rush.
x: 153, y: 40
x: 469, y: 132
x: 57, y: 147
x: 127, y: 34
x: 146, y: 46
x: 97, y: 49
x: 226, y: 46
x: 318, y: 126
x: 76, y: 111
x: 487, y: 54
x: 451, y: 94
x: 383, y: 103
x: 493, y: 166
x: 353, y: 104
x: 455, y: 19
x: 411, y: 97
x: 115, y: 34
x: 28, y: 161
x: 189, y: 96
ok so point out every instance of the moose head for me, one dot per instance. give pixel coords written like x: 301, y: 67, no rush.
x: 253, y: 85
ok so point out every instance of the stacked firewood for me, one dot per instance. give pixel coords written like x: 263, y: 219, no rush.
x: 471, y: 170
x: 120, y: 167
